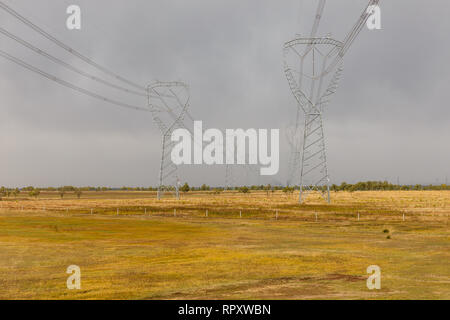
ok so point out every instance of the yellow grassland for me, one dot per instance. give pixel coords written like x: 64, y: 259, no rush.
x: 160, y: 255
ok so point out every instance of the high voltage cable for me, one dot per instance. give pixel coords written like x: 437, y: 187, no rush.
x: 351, y: 36
x: 74, y: 52
x: 68, y: 84
x: 66, y: 65
x: 66, y: 47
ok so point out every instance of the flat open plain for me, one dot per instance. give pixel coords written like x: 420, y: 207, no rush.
x: 150, y: 251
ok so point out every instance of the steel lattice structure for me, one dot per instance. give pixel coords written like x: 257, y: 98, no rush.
x: 168, y: 103
x: 313, y: 68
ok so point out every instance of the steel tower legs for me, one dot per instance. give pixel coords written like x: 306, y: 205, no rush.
x: 314, y: 171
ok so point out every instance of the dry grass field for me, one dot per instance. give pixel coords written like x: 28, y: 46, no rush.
x: 131, y: 246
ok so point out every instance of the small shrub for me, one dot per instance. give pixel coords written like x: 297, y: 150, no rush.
x: 185, y: 188
x: 244, y: 190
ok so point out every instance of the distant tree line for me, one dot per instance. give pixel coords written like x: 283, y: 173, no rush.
x: 344, y: 186
x: 360, y: 186
x: 384, y: 185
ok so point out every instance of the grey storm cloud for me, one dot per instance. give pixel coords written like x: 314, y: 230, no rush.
x: 389, y: 118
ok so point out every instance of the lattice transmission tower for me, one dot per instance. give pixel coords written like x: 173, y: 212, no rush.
x: 313, y: 67
x: 168, y: 103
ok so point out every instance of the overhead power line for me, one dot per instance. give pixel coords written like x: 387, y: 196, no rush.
x: 68, y: 84
x: 312, y: 94
x: 66, y: 65
x: 66, y: 47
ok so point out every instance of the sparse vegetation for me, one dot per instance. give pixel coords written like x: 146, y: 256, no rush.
x: 244, y: 189
x: 34, y: 193
x: 289, y: 190
x: 185, y: 188
x: 191, y: 256
x: 78, y: 192
x: 62, y: 192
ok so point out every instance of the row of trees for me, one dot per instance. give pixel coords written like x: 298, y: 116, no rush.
x: 5, y: 192
x: 360, y: 186
x: 83, y: 189
x: 384, y: 185
x: 35, y: 192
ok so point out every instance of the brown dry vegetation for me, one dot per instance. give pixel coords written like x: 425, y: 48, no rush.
x: 162, y: 256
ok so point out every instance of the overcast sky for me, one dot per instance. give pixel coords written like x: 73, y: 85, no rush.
x: 390, y: 117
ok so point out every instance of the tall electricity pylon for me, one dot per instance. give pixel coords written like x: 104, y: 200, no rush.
x: 313, y: 68
x: 168, y: 103
x: 312, y: 96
